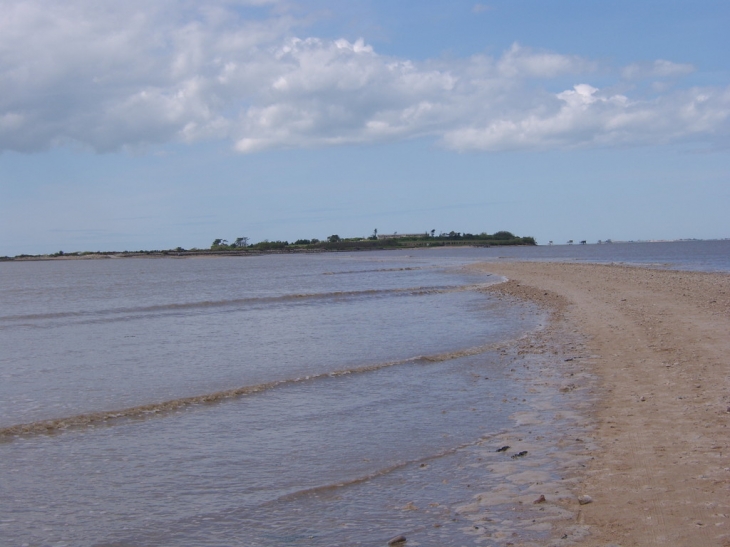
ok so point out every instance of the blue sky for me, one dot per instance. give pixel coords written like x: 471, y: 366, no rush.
x: 143, y: 125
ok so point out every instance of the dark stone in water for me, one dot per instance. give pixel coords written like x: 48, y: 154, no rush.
x: 397, y: 540
x: 503, y: 449
x: 519, y: 454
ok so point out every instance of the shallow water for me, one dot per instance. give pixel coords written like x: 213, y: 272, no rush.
x: 348, y: 372
x: 335, y: 399
x: 708, y: 256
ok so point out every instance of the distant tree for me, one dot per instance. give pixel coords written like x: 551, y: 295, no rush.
x: 433, y: 232
x: 333, y: 238
x: 503, y: 235
x: 241, y: 242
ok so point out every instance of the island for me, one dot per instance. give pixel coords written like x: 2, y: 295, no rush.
x: 333, y: 243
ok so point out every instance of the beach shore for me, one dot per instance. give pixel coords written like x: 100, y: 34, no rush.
x: 658, y: 343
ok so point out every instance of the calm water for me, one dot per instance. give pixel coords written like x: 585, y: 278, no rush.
x: 709, y: 256
x: 362, y: 384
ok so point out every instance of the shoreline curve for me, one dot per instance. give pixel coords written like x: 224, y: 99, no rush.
x: 660, y: 345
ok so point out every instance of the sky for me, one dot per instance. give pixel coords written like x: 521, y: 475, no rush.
x: 157, y: 124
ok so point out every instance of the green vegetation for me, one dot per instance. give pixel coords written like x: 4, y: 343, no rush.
x: 375, y: 241
x: 241, y: 245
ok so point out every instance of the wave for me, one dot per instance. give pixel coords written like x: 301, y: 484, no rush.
x: 55, y: 319
x: 376, y: 270
x: 239, y: 302
x: 115, y: 417
x: 324, y: 488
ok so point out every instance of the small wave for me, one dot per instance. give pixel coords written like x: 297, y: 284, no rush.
x: 235, y: 302
x: 376, y: 270
x: 114, y: 417
x: 46, y: 320
x: 324, y: 488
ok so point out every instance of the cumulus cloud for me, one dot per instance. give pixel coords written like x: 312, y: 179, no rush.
x: 585, y: 116
x: 110, y: 76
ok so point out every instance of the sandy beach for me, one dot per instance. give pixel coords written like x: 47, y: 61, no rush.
x: 658, y: 343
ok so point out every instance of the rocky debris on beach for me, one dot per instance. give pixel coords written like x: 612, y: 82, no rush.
x: 397, y: 540
x: 520, y: 454
x: 502, y: 449
x: 585, y: 499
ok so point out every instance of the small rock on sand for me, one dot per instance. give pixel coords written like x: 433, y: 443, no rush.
x: 397, y: 540
x: 585, y: 499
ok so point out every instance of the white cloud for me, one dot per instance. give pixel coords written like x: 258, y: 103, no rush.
x: 114, y: 75
x: 658, y: 69
x: 526, y: 63
x: 586, y: 117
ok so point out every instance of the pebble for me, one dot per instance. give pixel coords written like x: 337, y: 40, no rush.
x: 585, y: 499
x: 397, y: 540
x: 541, y: 499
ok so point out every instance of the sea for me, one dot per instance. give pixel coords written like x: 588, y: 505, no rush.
x: 332, y: 399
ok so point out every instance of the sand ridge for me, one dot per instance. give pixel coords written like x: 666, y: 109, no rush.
x: 660, y: 341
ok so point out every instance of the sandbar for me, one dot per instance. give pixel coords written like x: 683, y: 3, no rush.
x: 659, y: 340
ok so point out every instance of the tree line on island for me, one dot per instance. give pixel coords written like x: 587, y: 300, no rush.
x: 376, y: 241
x: 331, y: 243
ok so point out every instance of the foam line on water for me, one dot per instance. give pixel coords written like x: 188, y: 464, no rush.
x: 377, y: 270
x: 125, y: 313
x: 380, y: 472
x: 114, y: 417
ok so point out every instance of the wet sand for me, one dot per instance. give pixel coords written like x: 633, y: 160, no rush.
x: 657, y: 343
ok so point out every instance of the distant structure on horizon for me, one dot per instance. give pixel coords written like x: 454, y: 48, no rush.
x: 396, y: 235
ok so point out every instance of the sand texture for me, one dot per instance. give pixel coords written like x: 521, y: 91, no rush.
x: 658, y: 343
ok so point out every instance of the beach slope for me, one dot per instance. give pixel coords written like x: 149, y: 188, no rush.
x: 661, y: 341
